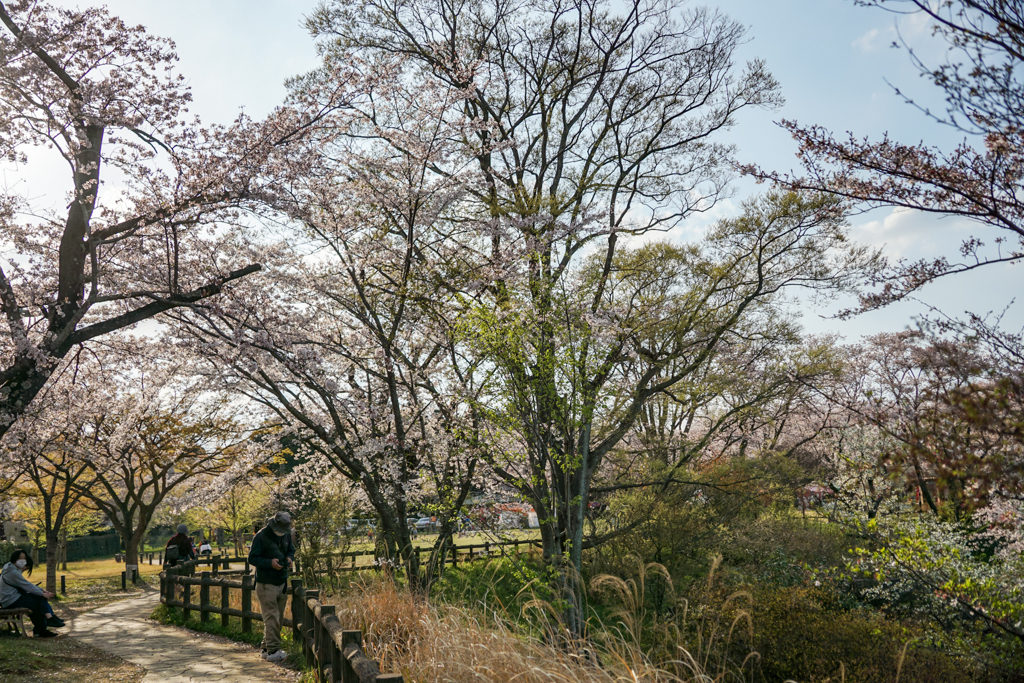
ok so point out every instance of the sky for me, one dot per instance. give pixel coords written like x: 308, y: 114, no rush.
x: 833, y: 60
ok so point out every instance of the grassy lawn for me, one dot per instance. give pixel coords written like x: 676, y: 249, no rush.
x: 95, y: 582
x: 427, y: 541
x: 98, y: 568
x: 35, y: 660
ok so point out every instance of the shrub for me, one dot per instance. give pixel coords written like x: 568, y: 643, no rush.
x: 775, y: 547
x: 805, y: 634
x: 508, y: 585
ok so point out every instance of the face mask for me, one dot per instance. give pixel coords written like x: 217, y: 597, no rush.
x: 20, y: 564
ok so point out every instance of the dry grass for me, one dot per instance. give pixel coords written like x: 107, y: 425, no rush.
x: 431, y: 643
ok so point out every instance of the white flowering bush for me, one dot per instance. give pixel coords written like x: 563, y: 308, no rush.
x: 964, y: 577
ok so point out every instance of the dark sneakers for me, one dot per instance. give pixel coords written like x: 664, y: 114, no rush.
x: 44, y: 634
x: 55, y: 622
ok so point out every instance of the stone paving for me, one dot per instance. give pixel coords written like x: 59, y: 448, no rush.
x: 169, y: 654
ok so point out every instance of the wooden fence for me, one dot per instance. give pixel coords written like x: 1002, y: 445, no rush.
x: 452, y: 554
x: 469, y: 552
x: 335, y: 654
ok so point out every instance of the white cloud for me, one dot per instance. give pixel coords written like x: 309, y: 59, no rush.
x: 910, y: 27
x: 904, y: 233
x: 874, y: 39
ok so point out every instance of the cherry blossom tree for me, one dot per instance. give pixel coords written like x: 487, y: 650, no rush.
x: 349, y: 341
x: 648, y: 322
x: 104, y: 97
x: 151, y: 429
x: 43, y: 452
x: 934, y: 415
x: 592, y: 126
x: 235, y: 511
x: 980, y: 179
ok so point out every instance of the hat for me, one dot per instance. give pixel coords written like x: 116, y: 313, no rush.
x: 281, y: 523
x: 182, y: 529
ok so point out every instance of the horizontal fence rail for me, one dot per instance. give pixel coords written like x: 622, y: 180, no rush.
x: 336, y: 654
x: 453, y: 554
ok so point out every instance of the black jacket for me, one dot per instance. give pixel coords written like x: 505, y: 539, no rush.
x: 185, y: 549
x: 266, y: 547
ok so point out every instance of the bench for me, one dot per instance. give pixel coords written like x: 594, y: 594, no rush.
x: 14, y: 618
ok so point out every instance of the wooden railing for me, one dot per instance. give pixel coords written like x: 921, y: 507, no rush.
x: 335, y: 653
x: 468, y: 552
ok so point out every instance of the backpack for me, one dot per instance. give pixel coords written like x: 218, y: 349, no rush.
x: 172, y: 553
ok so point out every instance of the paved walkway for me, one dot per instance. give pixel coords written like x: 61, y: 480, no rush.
x: 170, y: 654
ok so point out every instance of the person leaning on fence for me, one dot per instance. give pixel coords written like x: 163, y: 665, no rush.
x: 272, y: 552
x: 179, y: 547
x: 17, y: 591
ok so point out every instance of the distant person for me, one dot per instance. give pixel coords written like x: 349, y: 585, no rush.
x: 16, y: 591
x: 272, y: 553
x: 179, y: 547
x: 205, y: 548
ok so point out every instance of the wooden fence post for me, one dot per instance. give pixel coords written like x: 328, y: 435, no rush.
x: 337, y: 659
x: 63, y: 587
x: 187, y: 600
x: 324, y: 643
x: 348, y: 674
x: 318, y: 659
x: 225, y: 603
x: 204, y: 597
x: 307, y: 625
x: 297, y: 612
x: 172, y: 586
x: 246, y: 603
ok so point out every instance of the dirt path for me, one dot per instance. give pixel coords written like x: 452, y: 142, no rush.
x: 169, y: 654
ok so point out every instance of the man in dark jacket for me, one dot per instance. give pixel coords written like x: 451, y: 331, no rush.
x: 181, y: 541
x: 272, y: 552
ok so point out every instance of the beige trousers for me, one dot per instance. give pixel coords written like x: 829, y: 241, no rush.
x: 273, y: 601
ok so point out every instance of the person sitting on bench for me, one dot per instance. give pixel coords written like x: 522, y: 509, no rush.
x: 17, y: 591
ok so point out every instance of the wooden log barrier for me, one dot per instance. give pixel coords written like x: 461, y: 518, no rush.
x: 297, y: 592
x: 204, y: 597
x: 336, y: 654
x: 246, y: 603
x: 225, y: 605
x: 186, y: 600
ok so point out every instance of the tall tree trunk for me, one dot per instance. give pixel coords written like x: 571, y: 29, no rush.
x: 52, y: 553
x: 131, y: 550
